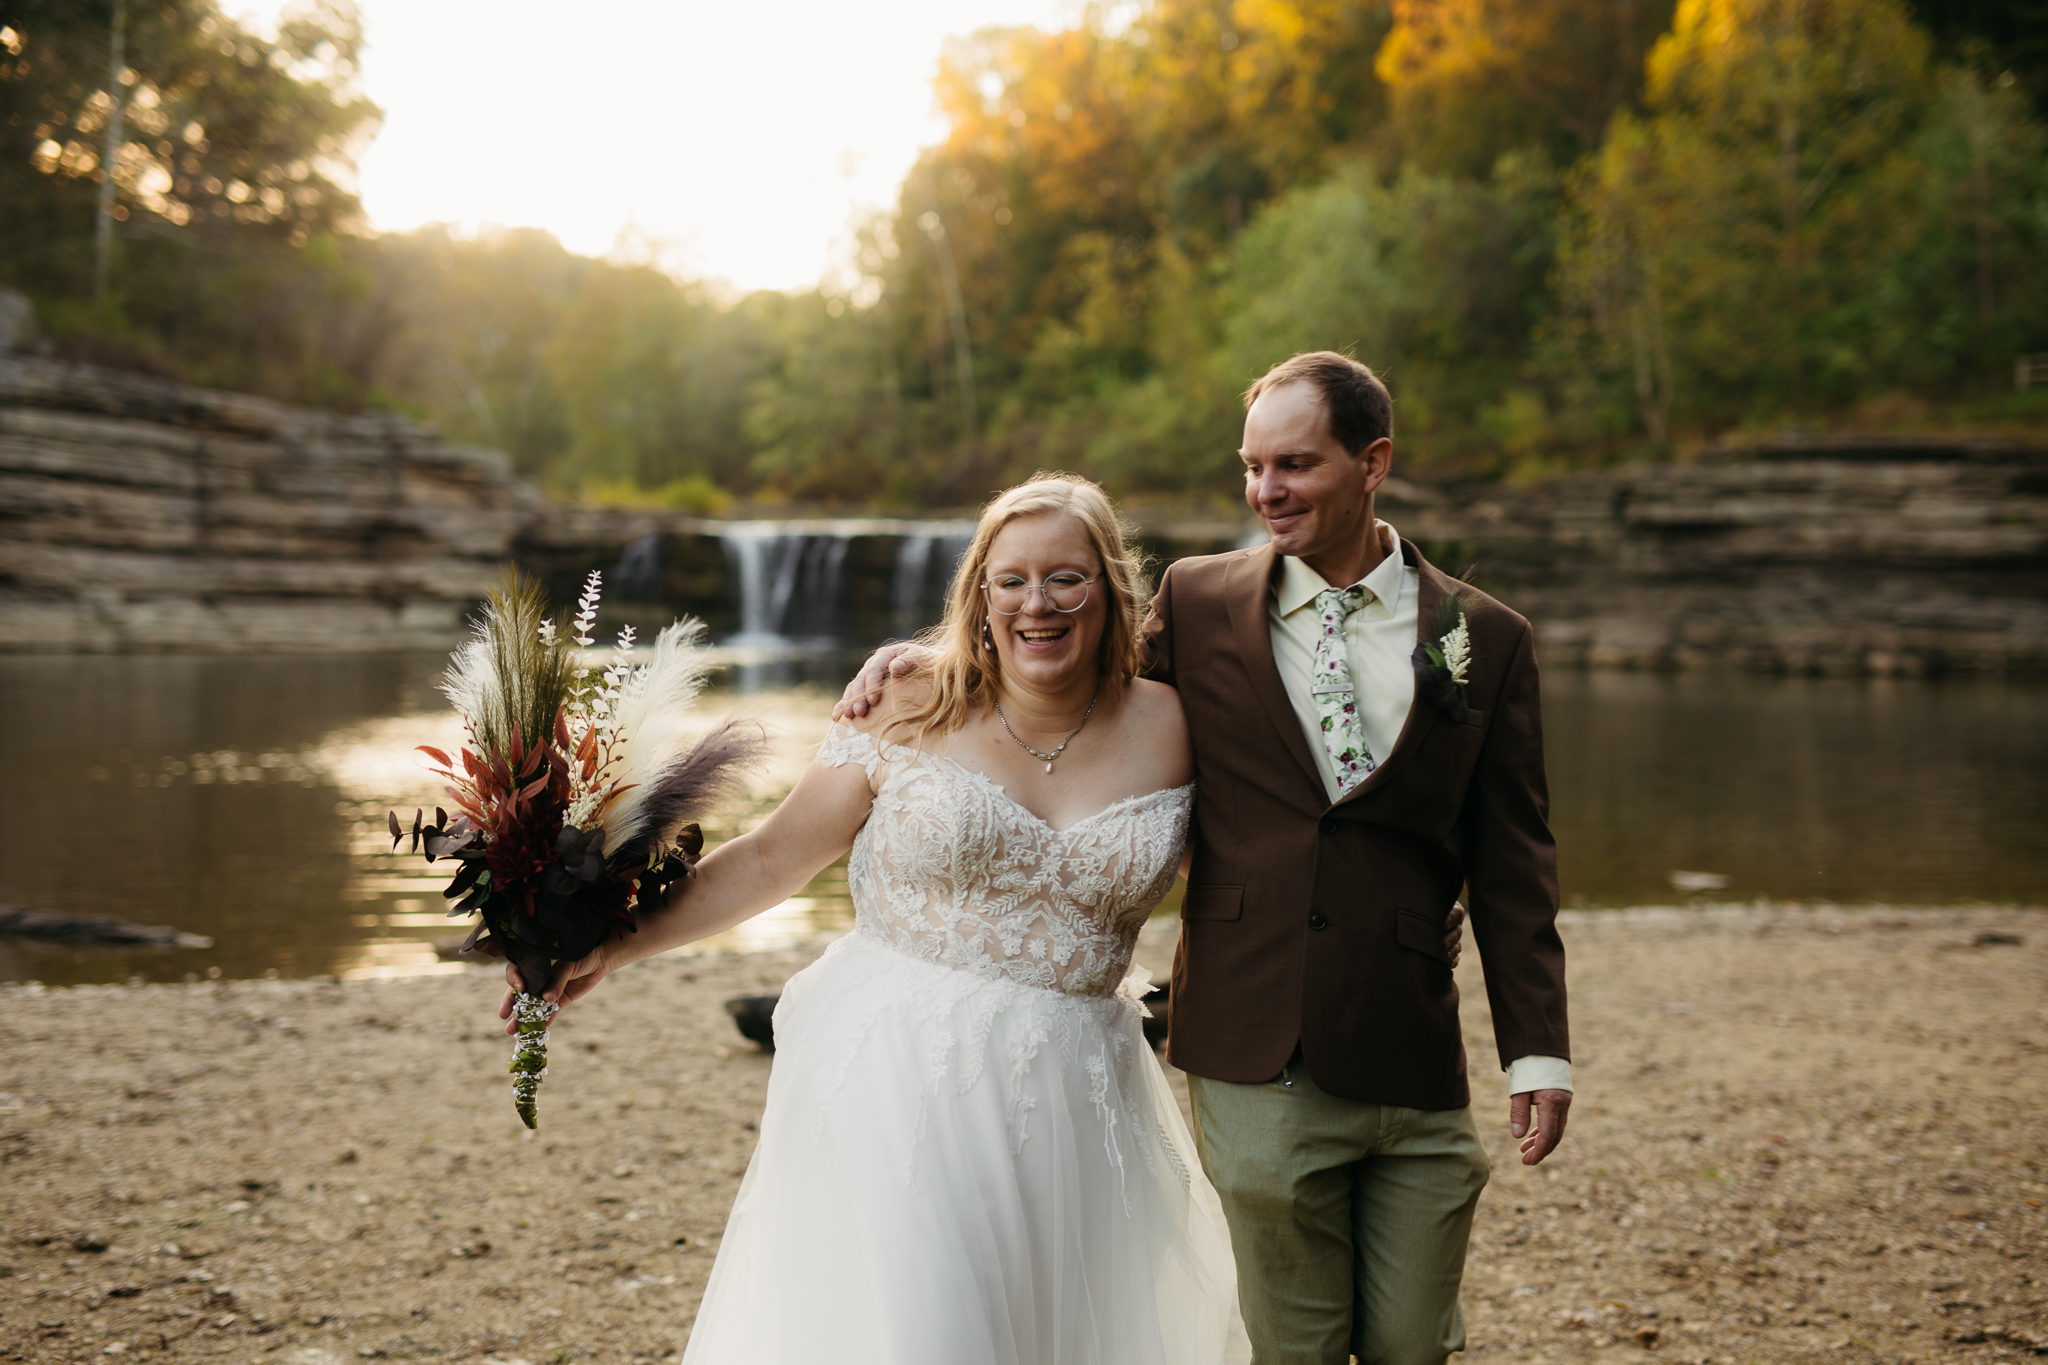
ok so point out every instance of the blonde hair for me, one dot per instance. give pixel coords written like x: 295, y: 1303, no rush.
x: 962, y: 672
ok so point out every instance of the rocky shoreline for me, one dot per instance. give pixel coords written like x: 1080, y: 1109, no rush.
x: 1803, y: 1135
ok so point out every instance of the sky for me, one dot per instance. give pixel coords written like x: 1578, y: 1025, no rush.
x: 723, y: 140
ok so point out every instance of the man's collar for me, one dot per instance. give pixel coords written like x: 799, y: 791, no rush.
x: 1297, y: 584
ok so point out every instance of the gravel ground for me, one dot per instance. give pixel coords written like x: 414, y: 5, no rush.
x: 1802, y: 1135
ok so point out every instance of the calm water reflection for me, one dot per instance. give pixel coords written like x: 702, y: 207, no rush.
x: 244, y: 799
x: 1798, y: 788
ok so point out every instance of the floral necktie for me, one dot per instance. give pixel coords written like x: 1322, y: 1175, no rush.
x: 1343, y: 731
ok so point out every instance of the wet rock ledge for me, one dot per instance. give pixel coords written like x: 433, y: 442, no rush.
x: 1802, y: 553
x: 138, y: 514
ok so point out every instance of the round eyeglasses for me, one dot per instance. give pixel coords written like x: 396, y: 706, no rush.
x: 1010, y: 593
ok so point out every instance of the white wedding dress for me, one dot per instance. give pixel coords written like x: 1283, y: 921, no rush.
x: 969, y: 1154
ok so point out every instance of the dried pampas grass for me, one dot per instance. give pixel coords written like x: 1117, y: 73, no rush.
x: 666, y: 784
x: 513, y: 676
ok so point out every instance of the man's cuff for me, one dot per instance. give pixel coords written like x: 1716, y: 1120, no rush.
x: 1538, y: 1073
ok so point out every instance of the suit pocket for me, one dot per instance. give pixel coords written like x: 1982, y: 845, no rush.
x: 1422, y: 932
x: 1213, y: 902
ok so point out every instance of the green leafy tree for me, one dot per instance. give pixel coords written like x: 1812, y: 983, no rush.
x: 827, y: 420
x: 2000, y: 38
x: 1433, y: 280
x: 474, y: 317
x: 653, y: 378
x: 588, y: 372
x: 235, y: 260
x: 1554, y: 248
x: 1733, y: 252
x: 1472, y: 80
x: 1971, y: 290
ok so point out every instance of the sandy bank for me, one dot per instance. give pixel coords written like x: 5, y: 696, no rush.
x: 1802, y: 1136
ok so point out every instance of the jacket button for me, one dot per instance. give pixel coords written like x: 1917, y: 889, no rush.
x: 1329, y: 825
x: 1318, y: 920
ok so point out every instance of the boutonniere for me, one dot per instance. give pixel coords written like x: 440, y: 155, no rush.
x: 1440, y: 662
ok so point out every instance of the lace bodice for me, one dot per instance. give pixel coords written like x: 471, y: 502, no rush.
x: 949, y: 868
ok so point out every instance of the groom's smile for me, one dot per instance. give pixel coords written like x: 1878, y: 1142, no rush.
x: 1314, y: 496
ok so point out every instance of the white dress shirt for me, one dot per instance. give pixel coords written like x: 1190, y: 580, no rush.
x: 1379, y: 644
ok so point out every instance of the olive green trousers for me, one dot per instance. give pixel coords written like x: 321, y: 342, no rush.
x: 1349, y: 1220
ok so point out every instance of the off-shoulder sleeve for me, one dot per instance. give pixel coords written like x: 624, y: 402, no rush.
x: 844, y: 744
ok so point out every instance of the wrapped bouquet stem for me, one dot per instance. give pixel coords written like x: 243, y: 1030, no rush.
x: 530, y: 1053
x: 576, y: 795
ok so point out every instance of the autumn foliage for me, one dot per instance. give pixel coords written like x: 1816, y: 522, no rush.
x: 1568, y: 231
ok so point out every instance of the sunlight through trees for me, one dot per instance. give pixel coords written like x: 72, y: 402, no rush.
x: 1569, y: 231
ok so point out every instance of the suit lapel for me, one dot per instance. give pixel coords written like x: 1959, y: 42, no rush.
x: 1422, y: 716
x: 1247, y: 589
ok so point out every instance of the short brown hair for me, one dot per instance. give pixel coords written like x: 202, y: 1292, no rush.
x: 1361, y: 410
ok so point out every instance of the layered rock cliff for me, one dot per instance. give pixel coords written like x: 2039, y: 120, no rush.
x: 1837, y: 555
x: 137, y: 514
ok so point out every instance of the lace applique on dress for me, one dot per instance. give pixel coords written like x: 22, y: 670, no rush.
x: 950, y: 869
x: 844, y: 744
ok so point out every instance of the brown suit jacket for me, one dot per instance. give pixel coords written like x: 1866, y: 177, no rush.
x: 1323, y: 925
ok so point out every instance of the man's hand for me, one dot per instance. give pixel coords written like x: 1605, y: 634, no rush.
x: 890, y: 661
x: 1552, y: 1106
x: 1454, y: 933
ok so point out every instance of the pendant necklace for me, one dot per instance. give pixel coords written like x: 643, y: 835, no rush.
x: 1063, y: 743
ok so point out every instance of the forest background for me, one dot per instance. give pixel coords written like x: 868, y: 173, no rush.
x: 1569, y: 232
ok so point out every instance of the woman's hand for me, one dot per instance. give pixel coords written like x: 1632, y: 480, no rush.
x: 572, y: 981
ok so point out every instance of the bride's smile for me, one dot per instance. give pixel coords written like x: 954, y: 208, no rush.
x: 1048, y: 643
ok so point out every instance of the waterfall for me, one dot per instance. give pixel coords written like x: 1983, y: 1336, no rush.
x: 770, y: 562
x: 637, y: 575
x: 917, y: 600
x: 830, y: 564
x: 952, y: 549
x: 793, y: 589
x: 906, y: 594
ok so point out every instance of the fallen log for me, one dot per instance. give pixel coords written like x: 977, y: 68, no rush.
x: 21, y: 923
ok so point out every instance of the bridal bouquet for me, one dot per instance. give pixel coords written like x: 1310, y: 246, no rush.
x: 575, y: 796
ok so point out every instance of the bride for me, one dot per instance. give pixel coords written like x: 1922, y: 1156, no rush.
x: 969, y: 1155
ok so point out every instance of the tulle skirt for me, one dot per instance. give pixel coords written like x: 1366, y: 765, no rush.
x: 954, y: 1170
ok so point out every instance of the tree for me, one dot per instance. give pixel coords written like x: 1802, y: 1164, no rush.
x: 1997, y: 38
x: 588, y: 372
x: 1970, y: 291
x: 1732, y: 247
x: 230, y: 186
x: 1474, y: 79
x: 474, y: 321
x: 1435, y: 281
x: 827, y: 419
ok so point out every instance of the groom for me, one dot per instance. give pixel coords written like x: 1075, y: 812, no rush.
x: 1340, y: 810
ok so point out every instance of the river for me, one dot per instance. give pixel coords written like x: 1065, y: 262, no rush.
x: 244, y: 799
